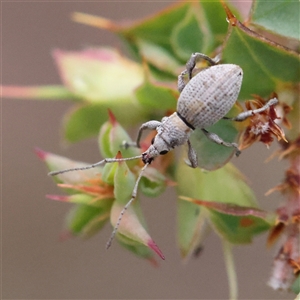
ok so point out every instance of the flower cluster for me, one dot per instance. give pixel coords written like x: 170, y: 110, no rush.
x: 263, y: 126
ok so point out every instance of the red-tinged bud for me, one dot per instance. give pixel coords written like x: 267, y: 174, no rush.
x: 56, y: 162
x: 112, y: 118
x: 132, y: 228
x: 155, y: 248
x: 40, y: 153
x: 91, y: 74
x: 111, y: 140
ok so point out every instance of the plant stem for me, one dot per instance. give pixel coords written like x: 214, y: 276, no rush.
x: 231, y: 273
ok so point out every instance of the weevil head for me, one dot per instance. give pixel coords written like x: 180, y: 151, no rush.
x: 158, y: 147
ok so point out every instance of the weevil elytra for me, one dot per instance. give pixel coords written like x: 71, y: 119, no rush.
x: 204, y: 100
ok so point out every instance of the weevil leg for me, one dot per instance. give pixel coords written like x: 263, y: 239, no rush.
x: 215, y: 138
x: 181, y: 82
x: 192, y: 156
x: 133, y: 196
x: 246, y: 114
x: 190, y: 66
x: 152, y: 125
x: 195, y: 57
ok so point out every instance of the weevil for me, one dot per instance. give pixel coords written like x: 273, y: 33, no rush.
x: 204, y: 100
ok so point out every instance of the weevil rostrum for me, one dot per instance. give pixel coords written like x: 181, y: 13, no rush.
x: 204, y: 100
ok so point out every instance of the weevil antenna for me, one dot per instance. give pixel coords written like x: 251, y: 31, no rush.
x: 104, y: 161
x: 133, y: 196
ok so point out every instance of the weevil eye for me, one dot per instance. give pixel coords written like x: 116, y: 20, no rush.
x: 163, y: 152
x: 152, y: 141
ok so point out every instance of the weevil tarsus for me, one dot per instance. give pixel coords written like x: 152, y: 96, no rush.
x: 192, y: 156
x: 216, y: 139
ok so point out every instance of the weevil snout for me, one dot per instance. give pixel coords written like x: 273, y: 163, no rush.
x: 146, y: 158
x: 158, y: 147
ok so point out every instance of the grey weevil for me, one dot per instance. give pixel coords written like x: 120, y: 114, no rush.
x: 203, y: 101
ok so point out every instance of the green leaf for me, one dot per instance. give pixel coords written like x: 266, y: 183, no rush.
x: 157, y: 29
x: 56, y: 162
x: 212, y: 156
x: 280, y: 17
x: 47, y: 92
x: 238, y: 230
x: 153, y: 183
x: 187, y: 36
x: 124, y: 182
x: 131, y: 229
x: 191, y: 223
x: 268, y: 67
x: 156, y: 97
x: 243, y: 221
x: 296, y: 287
x: 202, y: 29
x: 191, y: 228
x: 158, y: 57
x: 86, y: 220
x: 83, y: 121
x: 111, y: 138
x: 136, y: 248
x: 225, y: 185
x: 169, y: 37
x: 98, y: 75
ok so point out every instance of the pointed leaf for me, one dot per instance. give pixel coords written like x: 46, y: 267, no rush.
x: 201, y: 29
x: 84, y: 120
x: 124, y: 182
x: 188, y: 36
x: 157, y: 56
x: 191, y: 224
x: 111, y: 138
x: 296, y: 287
x: 55, y: 162
x: 230, y: 209
x: 153, y: 183
x: 238, y: 230
x: 47, y: 92
x: 248, y: 221
x: 136, y: 248
x: 86, y: 220
x: 77, y: 198
x: 155, y: 96
x: 280, y: 17
x: 157, y: 29
x: 93, y: 74
x: 225, y: 185
x: 131, y: 227
x: 262, y: 61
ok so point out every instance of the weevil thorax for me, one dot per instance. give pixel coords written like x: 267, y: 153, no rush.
x: 171, y: 133
x: 210, y: 94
